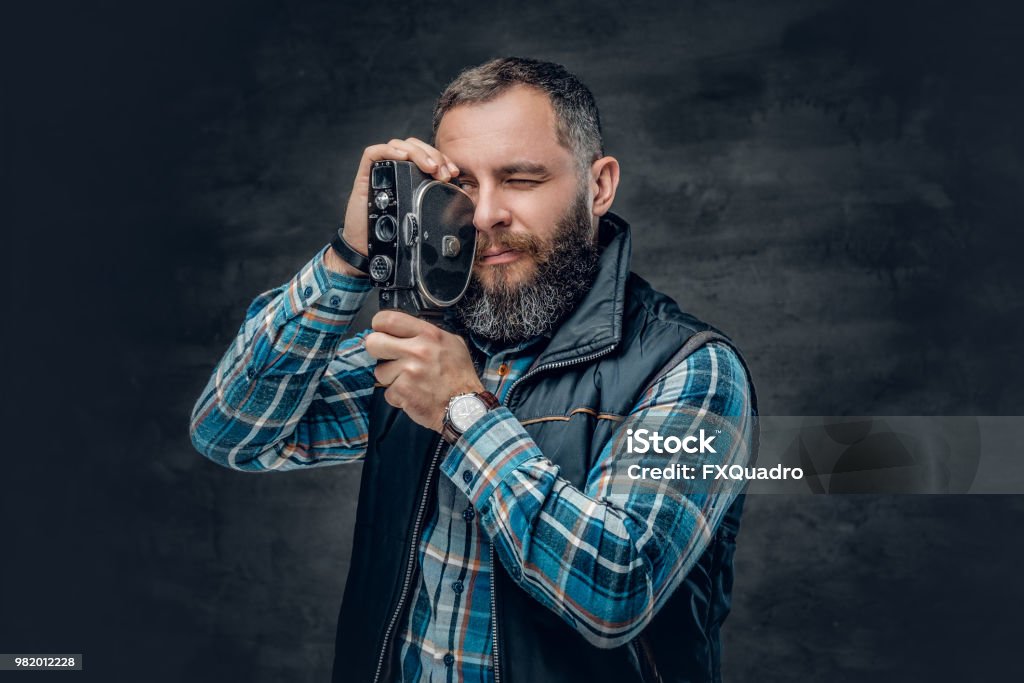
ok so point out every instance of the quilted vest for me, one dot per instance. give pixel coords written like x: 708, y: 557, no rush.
x: 620, y: 338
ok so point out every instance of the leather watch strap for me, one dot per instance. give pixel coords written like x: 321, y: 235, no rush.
x: 349, y: 255
x: 490, y: 400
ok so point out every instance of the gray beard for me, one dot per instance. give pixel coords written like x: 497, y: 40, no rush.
x: 509, y: 315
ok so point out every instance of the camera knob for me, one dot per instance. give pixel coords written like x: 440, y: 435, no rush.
x: 412, y: 230
x: 380, y: 268
x: 450, y: 246
x: 382, y: 200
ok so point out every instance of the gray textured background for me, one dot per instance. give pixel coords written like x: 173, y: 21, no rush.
x: 836, y: 184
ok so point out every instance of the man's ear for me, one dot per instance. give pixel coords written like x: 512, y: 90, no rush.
x: 604, y: 180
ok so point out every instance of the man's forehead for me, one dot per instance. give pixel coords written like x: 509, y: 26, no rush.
x: 517, y: 127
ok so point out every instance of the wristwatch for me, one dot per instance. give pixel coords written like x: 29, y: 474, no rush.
x: 463, y: 410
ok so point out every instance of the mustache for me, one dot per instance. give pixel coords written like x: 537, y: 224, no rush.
x: 508, y: 240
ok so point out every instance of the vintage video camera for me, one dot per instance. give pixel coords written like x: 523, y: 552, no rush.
x: 422, y: 241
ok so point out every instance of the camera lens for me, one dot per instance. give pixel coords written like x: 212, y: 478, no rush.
x: 386, y: 228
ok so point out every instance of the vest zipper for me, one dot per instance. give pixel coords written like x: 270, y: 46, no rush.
x: 494, y: 618
x: 410, y: 562
x: 494, y: 572
x: 560, y: 364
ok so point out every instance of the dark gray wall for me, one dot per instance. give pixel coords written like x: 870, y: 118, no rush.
x: 836, y: 184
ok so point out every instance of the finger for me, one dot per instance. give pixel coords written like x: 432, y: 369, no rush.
x: 380, y: 346
x: 399, y: 324
x: 393, y: 398
x: 383, y: 346
x: 436, y: 154
x: 387, y: 371
x: 428, y: 159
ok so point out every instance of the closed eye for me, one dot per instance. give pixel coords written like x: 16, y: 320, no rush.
x: 524, y: 182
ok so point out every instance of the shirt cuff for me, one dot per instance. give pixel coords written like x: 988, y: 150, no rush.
x: 322, y: 299
x: 494, y: 446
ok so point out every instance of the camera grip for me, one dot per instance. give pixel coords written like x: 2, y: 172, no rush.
x: 405, y: 300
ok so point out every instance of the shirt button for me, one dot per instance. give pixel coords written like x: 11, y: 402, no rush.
x: 335, y: 300
x: 457, y: 587
x: 517, y: 573
x: 250, y: 373
x: 503, y: 369
x: 449, y: 659
x: 467, y: 476
x: 468, y: 514
x: 307, y: 292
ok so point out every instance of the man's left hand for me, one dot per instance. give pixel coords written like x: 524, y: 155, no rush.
x: 422, y: 365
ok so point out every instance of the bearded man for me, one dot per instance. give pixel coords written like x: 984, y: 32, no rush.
x: 500, y: 535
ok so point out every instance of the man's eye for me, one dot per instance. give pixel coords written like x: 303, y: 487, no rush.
x: 523, y: 181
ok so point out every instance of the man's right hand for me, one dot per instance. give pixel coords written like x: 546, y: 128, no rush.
x: 428, y: 159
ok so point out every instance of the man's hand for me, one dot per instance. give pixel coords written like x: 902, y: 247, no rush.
x: 422, y: 366
x: 428, y: 159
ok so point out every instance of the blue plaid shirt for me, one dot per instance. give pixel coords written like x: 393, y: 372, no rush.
x: 293, y: 391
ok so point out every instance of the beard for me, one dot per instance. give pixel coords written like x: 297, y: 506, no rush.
x: 510, y: 312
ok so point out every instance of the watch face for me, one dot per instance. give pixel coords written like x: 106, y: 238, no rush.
x: 465, y: 410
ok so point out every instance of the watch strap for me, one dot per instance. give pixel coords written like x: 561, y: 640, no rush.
x: 448, y: 430
x: 490, y: 400
x: 349, y: 255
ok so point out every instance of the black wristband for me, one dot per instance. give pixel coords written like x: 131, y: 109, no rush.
x: 350, y: 255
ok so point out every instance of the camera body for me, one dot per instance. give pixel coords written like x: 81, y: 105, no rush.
x: 421, y: 239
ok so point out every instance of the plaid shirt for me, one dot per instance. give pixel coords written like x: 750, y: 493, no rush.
x: 292, y: 391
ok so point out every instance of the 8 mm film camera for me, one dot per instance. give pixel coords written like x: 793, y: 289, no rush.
x: 422, y: 241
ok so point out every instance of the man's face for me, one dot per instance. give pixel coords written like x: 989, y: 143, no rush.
x: 522, y: 180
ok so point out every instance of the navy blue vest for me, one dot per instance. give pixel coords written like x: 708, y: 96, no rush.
x: 620, y: 338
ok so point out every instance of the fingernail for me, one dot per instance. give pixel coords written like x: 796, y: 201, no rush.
x: 454, y: 169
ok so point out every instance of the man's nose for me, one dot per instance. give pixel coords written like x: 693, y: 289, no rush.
x: 491, y: 211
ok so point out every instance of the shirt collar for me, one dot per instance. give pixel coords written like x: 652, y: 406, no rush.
x: 491, y: 348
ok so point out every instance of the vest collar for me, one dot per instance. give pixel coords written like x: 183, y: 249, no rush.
x: 596, y: 323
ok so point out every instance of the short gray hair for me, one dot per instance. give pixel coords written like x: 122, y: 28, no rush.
x: 577, y: 122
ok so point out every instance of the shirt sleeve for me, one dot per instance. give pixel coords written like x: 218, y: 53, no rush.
x: 607, y: 557
x: 291, y: 391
